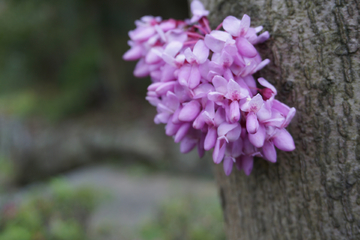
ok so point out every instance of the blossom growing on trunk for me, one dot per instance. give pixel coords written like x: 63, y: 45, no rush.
x: 204, y: 90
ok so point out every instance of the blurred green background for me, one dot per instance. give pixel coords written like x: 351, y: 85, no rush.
x: 78, y: 146
x: 60, y: 58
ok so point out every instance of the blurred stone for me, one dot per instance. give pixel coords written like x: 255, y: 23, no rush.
x: 42, y: 150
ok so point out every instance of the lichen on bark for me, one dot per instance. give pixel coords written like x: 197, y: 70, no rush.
x: 313, y: 192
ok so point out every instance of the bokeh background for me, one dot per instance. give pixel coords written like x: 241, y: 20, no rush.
x: 80, y: 156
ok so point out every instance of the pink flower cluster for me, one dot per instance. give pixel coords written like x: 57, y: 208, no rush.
x: 204, y: 91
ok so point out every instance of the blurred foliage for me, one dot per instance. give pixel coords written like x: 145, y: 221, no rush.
x: 7, y: 172
x: 187, y: 217
x: 59, y: 214
x: 66, y: 55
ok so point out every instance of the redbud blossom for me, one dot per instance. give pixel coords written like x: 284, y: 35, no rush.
x: 204, y: 90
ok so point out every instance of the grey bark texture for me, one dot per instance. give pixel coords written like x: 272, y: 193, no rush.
x: 313, y: 192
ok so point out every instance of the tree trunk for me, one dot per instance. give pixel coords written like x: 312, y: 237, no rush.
x: 311, y: 193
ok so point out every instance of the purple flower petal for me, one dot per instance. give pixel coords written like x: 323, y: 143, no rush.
x: 251, y: 83
x: 247, y: 164
x: 238, y: 163
x: 201, y: 51
x: 162, y: 117
x: 246, y: 48
x: 181, y: 133
x: 252, y: 123
x: 184, y: 75
x: 154, y: 55
x: 167, y: 25
x: 199, y: 121
x: 216, y: 97
x: 194, y: 77
x: 225, y: 128
x: 256, y: 103
x: 216, y: 40
x: 281, y: 107
x: 173, y: 48
x: 284, y: 141
x: 141, y: 69
x: 289, y: 117
x: 202, y: 90
x: 189, y: 55
x: 234, y: 134
x: 190, y: 111
x: 165, y: 87
x: 234, y: 112
x: 167, y: 73
x: 265, y: 111
x: 210, y: 138
x: 198, y: 11
x: 261, y: 65
x: 266, y: 84
x: 228, y: 165
x: 219, y: 116
x: 236, y: 148
x: 274, y: 122
x: 257, y: 139
x: 175, y: 117
x: 234, y: 91
x: 244, y: 24
x: 262, y: 37
x: 220, y: 84
x: 269, y: 151
x: 187, y: 144
x: 232, y: 25
x: 171, y: 101
x: 171, y: 128
x: 141, y: 33
x: 133, y: 53
x: 219, y: 151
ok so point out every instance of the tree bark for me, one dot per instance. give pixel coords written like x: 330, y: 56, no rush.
x: 313, y: 192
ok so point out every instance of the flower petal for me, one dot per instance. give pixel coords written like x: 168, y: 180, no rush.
x: 171, y: 128
x: 219, y: 151
x: 266, y: 84
x: 247, y: 164
x: 181, y: 133
x: 133, y: 53
x: 256, y: 103
x: 269, y: 151
x: 173, y: 48
x: 234, y: 134
x: 187, y: 144
x: 228, y: 165
x: 225, y: 128
x: 202, y: 90
x: 245, y: 48
x: 165, y: 87
x: 244, y: 24
x: 190, y: 111
x: 199, y: 121
x: 284, y: 141
x: 252, y: 123
x: 289, y: 117
x: 232, y: 25
x: 234, y: 112
x: 210, y: 138
x: 236, y: 148
x: 194, y: 77
x: 201, y: 51
x: 141, y: 69
x: 257, y: 139
x: 189, y: 55
x: 220, y: 84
